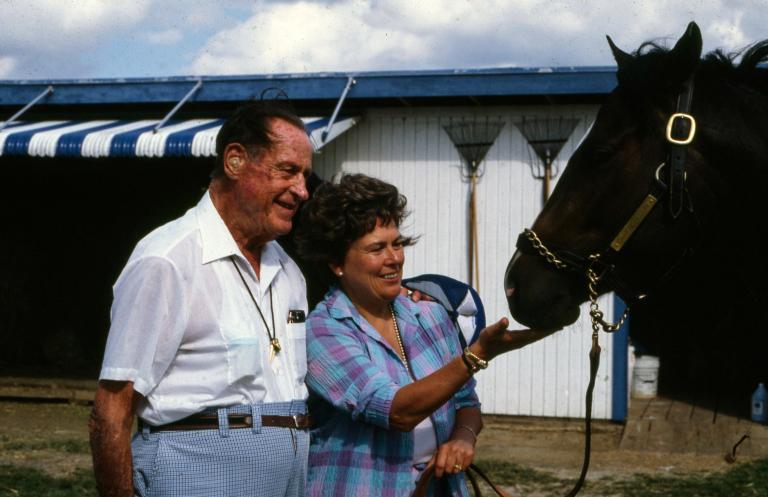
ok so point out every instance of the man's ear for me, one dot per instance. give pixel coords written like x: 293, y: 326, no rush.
x: 235, y: 158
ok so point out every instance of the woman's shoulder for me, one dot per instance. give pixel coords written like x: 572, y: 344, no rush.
x: 334, y: 307
x: 433, y: 313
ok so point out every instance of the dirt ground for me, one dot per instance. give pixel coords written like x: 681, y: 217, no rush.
x: 49, y: 437
x: 557, y: 446
x: 53, y: 438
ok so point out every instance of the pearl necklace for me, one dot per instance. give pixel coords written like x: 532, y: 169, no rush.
x: 400, y: 339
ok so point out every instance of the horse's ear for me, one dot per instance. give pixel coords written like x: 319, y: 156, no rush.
x: 622, y: 57
x: 684, y: 57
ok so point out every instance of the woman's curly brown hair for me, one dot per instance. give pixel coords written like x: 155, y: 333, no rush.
x: 340, y: 213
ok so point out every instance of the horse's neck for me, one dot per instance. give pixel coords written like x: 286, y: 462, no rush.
x: 733, y: 126
x: 728, y: 274
x: 729, y: 179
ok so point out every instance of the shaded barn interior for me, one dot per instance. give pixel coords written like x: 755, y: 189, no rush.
x: 711, y: 341
x: 68, y: 227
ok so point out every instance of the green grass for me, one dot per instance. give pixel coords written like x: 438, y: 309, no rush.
x: 506, y: 473
x: 17, y: 481
x: 70, y: 446
x: 744, y: 480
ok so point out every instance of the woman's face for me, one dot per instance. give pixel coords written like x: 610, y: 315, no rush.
x: 373, y: 265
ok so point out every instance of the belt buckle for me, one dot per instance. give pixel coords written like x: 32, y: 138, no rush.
x: 296, y: 421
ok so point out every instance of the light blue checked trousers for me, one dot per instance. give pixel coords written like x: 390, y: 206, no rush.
x: 243, y: 462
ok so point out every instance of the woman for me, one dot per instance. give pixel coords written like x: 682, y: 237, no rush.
x: 392, y: 392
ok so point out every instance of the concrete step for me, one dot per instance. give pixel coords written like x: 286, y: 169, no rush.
x: 667, y: 425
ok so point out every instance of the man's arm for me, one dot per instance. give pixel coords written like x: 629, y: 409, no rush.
x: 110, y: 430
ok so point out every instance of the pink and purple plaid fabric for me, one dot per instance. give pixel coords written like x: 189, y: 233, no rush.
x: 353, y: 375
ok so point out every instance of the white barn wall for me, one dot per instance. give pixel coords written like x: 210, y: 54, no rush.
x: 409, y: 148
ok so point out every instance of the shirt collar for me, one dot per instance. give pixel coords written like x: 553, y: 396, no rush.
x: 407, y: 310
x: 271, y: 263
x: 217, y: 241
x: 340, y: 307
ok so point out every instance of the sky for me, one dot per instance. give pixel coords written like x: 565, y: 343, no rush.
x: 83, y: 39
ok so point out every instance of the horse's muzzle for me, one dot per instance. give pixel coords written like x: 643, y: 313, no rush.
x: 539, y: 296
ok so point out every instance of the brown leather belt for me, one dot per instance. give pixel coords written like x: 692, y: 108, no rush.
x: 211, y: 422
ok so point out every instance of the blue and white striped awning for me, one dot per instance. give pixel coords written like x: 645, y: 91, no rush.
x: 193, y: 138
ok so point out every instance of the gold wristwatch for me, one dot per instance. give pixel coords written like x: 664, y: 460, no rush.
x: 472, y: 361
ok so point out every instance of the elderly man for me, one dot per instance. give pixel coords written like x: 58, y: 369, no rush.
x: 207, y: 342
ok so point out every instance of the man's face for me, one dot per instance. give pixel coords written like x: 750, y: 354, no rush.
x: 273, y: 184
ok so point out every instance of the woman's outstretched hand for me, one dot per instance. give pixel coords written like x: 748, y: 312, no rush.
x: 497, y: 339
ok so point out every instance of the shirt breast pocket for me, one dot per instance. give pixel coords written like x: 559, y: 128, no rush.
x: 243, y: 358
x: 297, y: 336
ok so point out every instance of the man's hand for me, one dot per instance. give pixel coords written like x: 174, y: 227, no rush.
x: 415, y: 295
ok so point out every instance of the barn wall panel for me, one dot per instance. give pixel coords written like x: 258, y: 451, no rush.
x: 409, y: 148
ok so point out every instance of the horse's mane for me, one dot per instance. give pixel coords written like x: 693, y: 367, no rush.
x: 746, y: 66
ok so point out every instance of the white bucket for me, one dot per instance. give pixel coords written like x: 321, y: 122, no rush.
x: 645, y: 377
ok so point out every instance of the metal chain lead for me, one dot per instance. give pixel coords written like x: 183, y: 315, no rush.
x: 543, y: 251
x: 595, y: 314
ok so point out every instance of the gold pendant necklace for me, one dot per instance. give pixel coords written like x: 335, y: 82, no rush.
x: 275, y: 349
x: 271, y: 334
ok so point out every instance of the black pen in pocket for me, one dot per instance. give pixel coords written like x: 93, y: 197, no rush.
x: 296, y: 316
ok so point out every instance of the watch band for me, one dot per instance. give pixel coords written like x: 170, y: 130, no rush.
x: 473, y: 362
x: 470, y: 368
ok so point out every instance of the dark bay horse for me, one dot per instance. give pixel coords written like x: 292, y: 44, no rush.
x: 665, y: 198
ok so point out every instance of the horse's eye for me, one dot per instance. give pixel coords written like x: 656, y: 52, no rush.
x: 603, y: 152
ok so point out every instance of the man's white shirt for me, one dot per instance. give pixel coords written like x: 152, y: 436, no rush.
x: 185, y: 330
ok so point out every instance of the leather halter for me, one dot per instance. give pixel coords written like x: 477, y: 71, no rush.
x: 680, y: 124
x: 669, y: 179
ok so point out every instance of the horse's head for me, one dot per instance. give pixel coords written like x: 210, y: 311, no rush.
x: 607, y: 178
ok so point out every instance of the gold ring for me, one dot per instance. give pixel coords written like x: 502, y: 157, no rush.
x: 457, y: 467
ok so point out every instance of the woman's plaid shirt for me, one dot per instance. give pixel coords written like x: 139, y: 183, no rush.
x: 353, y: 375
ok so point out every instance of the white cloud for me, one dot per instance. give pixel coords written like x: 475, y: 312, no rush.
x: 354, y: 35
x: 6, y: 66
x: 306, y: 36
x: 86, y: 38
x: 728, y: 31
x: 166, y: 37
x: 53, y: 37
x: 57, y: 24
